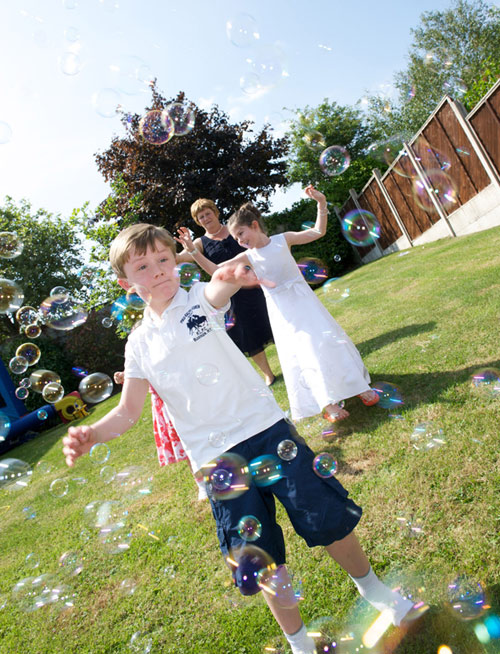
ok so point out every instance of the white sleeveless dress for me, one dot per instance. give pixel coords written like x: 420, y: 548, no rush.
x: 320, y: 363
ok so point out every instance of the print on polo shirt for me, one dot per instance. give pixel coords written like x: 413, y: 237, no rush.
x: 197, y: 325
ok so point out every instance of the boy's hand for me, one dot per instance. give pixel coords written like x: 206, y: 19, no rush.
x: 241, y: 274
x: 184, y: 238
x: 119, y: 377
x: 314, y: 194
x: 77, y: 442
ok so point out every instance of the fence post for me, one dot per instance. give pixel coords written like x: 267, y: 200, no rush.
x: 354, y: 197
x: 460, y: 114
x: 423, y: 179
x: 392, y: 206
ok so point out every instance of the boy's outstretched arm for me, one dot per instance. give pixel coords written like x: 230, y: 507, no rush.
x: 79, y: 440
x: 229, y: 278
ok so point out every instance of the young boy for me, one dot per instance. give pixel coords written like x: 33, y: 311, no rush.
x: 209, y: 389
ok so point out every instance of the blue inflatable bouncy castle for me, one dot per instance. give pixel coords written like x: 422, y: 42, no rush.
x: 16, y: 426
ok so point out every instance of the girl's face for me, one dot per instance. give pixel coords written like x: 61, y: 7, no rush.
x: 247, y: 236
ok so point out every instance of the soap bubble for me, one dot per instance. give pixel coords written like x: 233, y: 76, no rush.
x: 42, y: 414
x: 268, y: 64
x: 427, y: 436
x: 30, y: 352
x: 11, y: 296
x: 442, y: 188
x: 95, y: 388
x: 52, y: 392
x: 138, y: 296
x: 5, y: 132
x: 39, y: 378
x: 4, y: 425
x: 314, y: 140
x: 43, y: 467
x: 140, y: 643
x: 21, y: 393
x: 29, y: 513
x: 32, y: 561
x: 10, y: 245
x: 133, y: 74
x: 313, y: 270
x: 337, y: 258
x: 388, y: 150
x: 226, y: 476
x: 466, y: 598
x: 58, y: 488
x: 99, y: 453
x: 71, y: 34
x: 18, y: 365
x: 59, y: 290
x: 207, y: 374
x: 360, y: 228
x: 26, y: 315
x: 250, y: 83
x: 188, y: 274
x: 307, y: 224
x: 106, y: 102
x: 248, y: 564
x: 62, y: 312
x: 486, y: 382
x: 107, y: 322
x: 156, y: 128
x: 335, y: 289
x: 14, y: 474
x: 324, y: 465
x: 390, y: 395
x: 217, y: 438
x: 287, y: 450
x: 242, y: 30
x: 107, y: 474
x: 266, y: 470
x: 70, y: 63
x: 249, y: 528
x: 127, y: 311
x: 78, y: 371
x: 33, y: 331
x: 280, y: 585
x: 111, y: 520
x: 134, y: 481
x: 182, y: 117
x: 25, y: 382
x: 71, y: 564
x: 334, y: 160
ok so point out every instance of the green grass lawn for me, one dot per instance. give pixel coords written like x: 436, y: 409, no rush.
x: 425, y: 322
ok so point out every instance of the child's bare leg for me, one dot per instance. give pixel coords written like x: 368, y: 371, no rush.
x: 261, y: 360
x: 349, y: 555
x: 287, y: 615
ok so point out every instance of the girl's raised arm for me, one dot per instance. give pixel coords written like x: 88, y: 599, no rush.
x: 319, y: 229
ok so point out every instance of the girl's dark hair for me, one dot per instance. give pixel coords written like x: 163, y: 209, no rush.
x: 245, y: 215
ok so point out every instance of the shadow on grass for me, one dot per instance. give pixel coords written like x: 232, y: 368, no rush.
x: 417, y: 390
x: 367, y: 347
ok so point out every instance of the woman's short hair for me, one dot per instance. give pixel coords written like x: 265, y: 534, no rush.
x: 199, y: 205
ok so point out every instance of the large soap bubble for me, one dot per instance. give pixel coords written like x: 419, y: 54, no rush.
x: 62, y: 312
x: 10, y: 245
x: 95, y: 387
x: 39, y: 378
x: 14, y: 474
x: 11, y: 296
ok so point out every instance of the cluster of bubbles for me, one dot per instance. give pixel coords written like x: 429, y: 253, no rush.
x: 267, y: 63
x: 160, y: 125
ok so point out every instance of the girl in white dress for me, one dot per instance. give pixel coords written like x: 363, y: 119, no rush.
x: 321, y: 366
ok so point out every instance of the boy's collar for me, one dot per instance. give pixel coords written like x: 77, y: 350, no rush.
x: 179, y: 299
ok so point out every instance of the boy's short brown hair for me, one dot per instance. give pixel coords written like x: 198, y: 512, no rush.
x: 137, y: 237
x: 203, y: 203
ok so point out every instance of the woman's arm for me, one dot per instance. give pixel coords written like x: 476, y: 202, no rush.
x: 193, y: 252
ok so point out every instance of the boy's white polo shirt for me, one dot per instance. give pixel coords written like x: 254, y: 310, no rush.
x: 214, y: 397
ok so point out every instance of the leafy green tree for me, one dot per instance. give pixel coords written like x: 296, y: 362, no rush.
x: 491, y: 74
x: 447, y: 55
x: 226, y: 162
x: 51, y: 256
x: 316, y: 129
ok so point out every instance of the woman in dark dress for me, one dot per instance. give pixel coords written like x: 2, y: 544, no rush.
x: 251, y: 330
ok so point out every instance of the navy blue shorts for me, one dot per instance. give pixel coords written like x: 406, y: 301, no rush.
x: 318, y: 508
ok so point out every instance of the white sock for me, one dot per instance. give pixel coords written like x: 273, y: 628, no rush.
x: 300, y: 642
x: 382, y: 597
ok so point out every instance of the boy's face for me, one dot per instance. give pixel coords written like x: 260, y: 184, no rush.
x: 155, y: 271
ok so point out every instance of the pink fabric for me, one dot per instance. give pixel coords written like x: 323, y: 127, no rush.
x: 168, y: 445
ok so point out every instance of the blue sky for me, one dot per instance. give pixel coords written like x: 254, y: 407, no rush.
x: 62, y: 58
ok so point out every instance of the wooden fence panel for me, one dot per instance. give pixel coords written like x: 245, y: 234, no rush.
x: 400, y: 188
x: 486, y: 123
x: 373, y: 200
